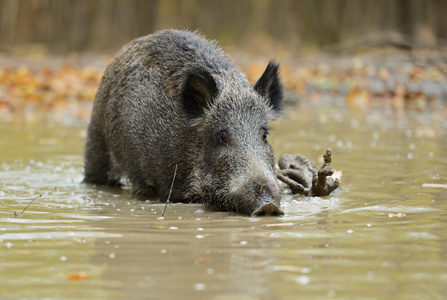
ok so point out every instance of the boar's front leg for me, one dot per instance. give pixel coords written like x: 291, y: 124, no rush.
x: 98, y: 167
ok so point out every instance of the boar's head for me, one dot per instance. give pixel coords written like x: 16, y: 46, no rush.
x: 234, y: 162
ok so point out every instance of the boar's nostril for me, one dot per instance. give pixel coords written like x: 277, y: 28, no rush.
x: 267, y: 207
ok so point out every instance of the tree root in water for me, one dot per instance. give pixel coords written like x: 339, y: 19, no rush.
x: 302, y: 177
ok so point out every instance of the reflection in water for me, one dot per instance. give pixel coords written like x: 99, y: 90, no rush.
x: 384, y: 237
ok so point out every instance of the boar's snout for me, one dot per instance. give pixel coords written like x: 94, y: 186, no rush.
x: 253, y: 196
x: 267, y: 206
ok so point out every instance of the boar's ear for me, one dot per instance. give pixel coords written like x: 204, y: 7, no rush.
x: 270, y: 86
x: 199, y: 89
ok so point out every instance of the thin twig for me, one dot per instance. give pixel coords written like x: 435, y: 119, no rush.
x: 30, y: 203
x: 170, y: 191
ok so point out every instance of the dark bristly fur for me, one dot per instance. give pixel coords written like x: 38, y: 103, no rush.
x: 173, y: 98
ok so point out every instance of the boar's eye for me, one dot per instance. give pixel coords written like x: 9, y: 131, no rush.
x: 265, y: 133
x: 222, y: 137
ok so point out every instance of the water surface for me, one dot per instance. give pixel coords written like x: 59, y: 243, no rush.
x: 385, y: 237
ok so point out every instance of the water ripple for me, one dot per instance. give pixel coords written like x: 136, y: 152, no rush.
x: 57, y: 235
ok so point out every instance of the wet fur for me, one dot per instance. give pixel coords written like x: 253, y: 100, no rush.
x: 161, y: 102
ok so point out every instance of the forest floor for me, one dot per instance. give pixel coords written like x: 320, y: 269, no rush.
x: 62, y: 88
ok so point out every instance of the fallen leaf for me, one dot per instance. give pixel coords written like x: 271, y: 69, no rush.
x: 203, y: 260
x: 399, y: 215
x: 159, y: 226
x: 78, y: 276
x: 80, y: 240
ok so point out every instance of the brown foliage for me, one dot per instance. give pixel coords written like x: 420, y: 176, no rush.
x: 68, y: 89
x: 63, y: 90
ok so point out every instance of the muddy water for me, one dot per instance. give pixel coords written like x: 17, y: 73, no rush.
x: 385, y: 237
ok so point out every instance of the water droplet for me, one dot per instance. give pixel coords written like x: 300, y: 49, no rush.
x: 199, y: 286
x: 199, y: 211
x: 303, y: 280
x: 243, y: 242
x: 199, y: 236
x: 350, y: 231
x: 63, y: 258
x: 305, y: 270
x: 163, y: 251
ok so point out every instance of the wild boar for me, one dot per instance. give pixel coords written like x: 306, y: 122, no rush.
x: 173, y: 100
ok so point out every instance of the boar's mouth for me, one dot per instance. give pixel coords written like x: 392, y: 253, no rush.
x: 267, y: 207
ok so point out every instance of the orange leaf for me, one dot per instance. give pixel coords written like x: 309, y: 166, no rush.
x: 399, y: 215
x: 78, y: 276
x: 203, y: 260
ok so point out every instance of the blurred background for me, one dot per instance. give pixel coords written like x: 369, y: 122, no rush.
x: 60, y: 26
x: 387, y: 54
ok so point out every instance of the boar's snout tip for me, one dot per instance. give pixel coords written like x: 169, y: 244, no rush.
x: 267, y: 207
